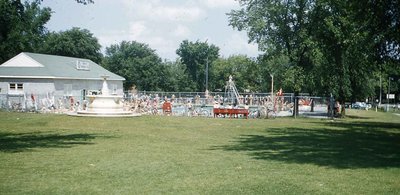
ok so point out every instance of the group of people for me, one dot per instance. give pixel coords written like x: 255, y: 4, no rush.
x: 155, y: 104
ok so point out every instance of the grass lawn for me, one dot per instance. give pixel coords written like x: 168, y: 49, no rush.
x: 58, y: 154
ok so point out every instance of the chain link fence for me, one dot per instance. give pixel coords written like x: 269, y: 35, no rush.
x: 183, y: 103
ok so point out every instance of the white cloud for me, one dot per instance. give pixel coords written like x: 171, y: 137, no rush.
x: 237, y: 44
x: 159, y: 11
x: 186, y: 14
x: 220, y: 3
x: 111, y: 37
x: 181, y: 31
x: 163, y: 25
x: 137, y: 29
x: 165, y: 48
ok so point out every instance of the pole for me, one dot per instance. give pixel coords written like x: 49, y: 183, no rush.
x: 207, y: 67
x: 380, y: 89
x: 388, y: 96
x: 272, y: 87
x: 332, y: 107
x: 207, y: 72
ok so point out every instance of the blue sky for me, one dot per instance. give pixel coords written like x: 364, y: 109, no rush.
x: 163, y: 25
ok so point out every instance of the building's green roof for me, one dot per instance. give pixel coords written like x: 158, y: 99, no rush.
x: 51, y: 66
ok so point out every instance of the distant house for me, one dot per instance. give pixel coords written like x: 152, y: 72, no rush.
x: 31, y: 74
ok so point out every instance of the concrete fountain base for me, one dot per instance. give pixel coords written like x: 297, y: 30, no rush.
x: 105, y: 106
x: 96, y: 114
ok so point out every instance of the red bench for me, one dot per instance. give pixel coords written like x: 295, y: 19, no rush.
x: 231, y: 111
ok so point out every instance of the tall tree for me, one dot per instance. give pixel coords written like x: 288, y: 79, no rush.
x: 279, y: 27
x: 333, y: 42
x: 245, y: 72
x: 176, y: 77
x: 137, y: 63
x: 21, y: 27
x: 276, y: 65
x: 347, y: 50
x: 382, y: 25
x: 74, y: 43
x: 196, y: 56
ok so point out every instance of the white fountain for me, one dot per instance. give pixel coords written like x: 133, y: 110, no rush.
x: 105, y: 104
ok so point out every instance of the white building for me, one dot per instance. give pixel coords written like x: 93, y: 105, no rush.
x: 32, y: 75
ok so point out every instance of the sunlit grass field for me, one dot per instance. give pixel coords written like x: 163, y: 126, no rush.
x: 58, y: 154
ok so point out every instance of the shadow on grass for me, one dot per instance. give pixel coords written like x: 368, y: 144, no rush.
x: 20, y: 142
x: 357, y: 145
x: 356, y: 117
x: 364, y: 126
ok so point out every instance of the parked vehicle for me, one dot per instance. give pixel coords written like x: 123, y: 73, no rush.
x: 359, y: 105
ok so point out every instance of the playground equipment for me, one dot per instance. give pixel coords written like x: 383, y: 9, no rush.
x: 231, y: 103
x: 231, y: 93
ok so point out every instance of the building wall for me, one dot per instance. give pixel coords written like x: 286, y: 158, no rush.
x: 58, y: 87
x: 74, y: 87
x: 30, y: 86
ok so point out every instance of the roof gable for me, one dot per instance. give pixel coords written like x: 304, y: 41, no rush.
x: 21, y: 60
x: 56, y: 67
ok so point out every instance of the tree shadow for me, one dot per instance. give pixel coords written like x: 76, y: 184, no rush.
x: 363, y: 126
x: 20, y: 142
x: 357, y: 145
x: 356, y: 117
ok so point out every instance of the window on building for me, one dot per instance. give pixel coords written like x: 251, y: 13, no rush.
x: 20, y: 87
x: 16, y: 88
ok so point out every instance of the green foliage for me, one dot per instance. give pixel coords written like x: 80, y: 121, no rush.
x: 382, y: 24
x: 195, y: 56
x: 275, y: 65
x: 244, y: 70
x: 137, y: 63
x: 334, y: 44
x: 281, y: 29
x: 74, y: 43
x: 276, y: 26
x: 176, y: 77
x: 294, y: 78
x: 21, y: 27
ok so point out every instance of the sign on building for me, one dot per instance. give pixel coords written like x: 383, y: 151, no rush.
x: 82, y: 65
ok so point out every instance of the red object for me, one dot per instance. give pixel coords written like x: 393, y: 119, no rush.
x: 167, y: 108
x: 231, y: 111
x: 280, y: 92
x: 72, y: 101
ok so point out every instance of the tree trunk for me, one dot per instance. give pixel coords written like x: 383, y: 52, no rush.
x: 343, y: 110
x: 312, y: 104
x: 296, y: 104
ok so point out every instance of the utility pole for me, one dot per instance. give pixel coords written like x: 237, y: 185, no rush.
x: 207, y: 71
x: 272, y: 86
x: 380, y: 89
x: 388, y: 96
x: 207, y: 67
